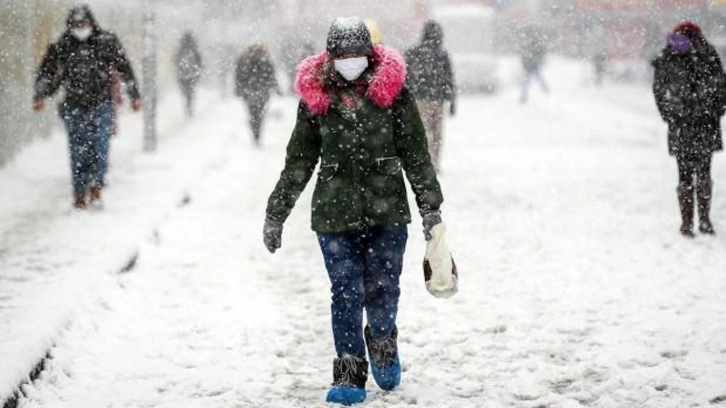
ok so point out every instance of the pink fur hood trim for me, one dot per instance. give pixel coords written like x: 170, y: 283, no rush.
x: 389, y: 76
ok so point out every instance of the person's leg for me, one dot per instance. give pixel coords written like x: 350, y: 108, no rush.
x: 426, y: 110
x: 685, y: 193
x: 188, y: 91
x: 542, y: 82
x: 254, y: 110
x: 78, y: 147
x: 345, y: 264
x: 437, y: 124
x: 102, y: 126
x: 384, y: 261
x: 525, y: 87
x: 344, y: 261
x: 192, y: 98
x: 704, y: 193
x: 260, y: 111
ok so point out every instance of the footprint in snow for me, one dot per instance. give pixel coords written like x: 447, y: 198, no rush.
x: 674, y: 354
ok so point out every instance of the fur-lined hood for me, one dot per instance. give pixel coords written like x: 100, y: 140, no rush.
x: 384, y: 86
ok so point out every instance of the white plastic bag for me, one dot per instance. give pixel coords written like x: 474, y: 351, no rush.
x: 440, y: 274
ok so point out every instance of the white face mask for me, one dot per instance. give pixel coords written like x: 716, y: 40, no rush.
x: 351, y: 68
x: 82, y: 33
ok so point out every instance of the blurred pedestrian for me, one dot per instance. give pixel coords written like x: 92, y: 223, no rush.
x: 431, y: 79
x: 83, y: 62
x: 690, y: 91
x: 255, y: 81
x: 598, y: 43
x: 534, y: 50
x: 189, y: 69
x: 599, y: 59
x: 357, y: 118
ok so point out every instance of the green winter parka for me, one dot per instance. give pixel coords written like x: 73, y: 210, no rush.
x: 365, y: 135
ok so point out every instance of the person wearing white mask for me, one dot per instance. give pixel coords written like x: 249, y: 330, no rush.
x: 358, y: 119
x: 85, y: 61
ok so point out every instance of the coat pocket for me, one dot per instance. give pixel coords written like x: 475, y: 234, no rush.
x: 389, y: 166
x: 327, y: 171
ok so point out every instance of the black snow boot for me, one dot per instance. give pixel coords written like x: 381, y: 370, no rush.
x: 385, y: 364
x: 685, y: 200
x: 703, y: 194
x: 349, y: 381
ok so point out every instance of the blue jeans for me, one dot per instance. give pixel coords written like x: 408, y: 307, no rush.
x: 364, y: 269
x: 89, y: 132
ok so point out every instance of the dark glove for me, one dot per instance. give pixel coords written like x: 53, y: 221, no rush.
x: 272, y: 235
x: 452, y: 108
x: 430, y: 219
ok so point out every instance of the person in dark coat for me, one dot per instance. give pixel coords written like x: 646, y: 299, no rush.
x: 83, y: 62
x: 533, y: 57
x: 189, y: 69
x: 255, y: 81
x: 431, y: 79
x: 690, y: 91
x: 357, y: 118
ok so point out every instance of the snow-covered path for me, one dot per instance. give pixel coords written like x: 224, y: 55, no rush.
x: 576, y: 289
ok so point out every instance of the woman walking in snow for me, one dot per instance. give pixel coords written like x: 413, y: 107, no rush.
x: 359, y: 120
x: 255, y: 80
x: 690, y: 91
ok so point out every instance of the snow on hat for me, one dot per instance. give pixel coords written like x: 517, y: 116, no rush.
x: 687, y: 27
x: 349, y: 36
x: 679, y: 42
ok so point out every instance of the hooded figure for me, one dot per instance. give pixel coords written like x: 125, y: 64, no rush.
x: 84, y: 62
x: 189, y: 69
x: 255, y: 81
x: 359, y: 121
x: 690, y: 92
x: 431, y: 79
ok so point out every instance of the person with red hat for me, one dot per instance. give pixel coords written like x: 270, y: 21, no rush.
x: 690, y: 92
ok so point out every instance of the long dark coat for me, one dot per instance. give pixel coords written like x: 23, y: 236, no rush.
x: 430, y: 74
x: 255, y: 75
x: 188, y: 61
x: 365, y: 134
x: 690, y: 92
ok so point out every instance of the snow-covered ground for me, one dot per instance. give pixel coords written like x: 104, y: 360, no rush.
x: 575, y: 287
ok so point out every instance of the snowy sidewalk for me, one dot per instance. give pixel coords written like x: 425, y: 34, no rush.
x: 53, y: 259
x: 576, y: 288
